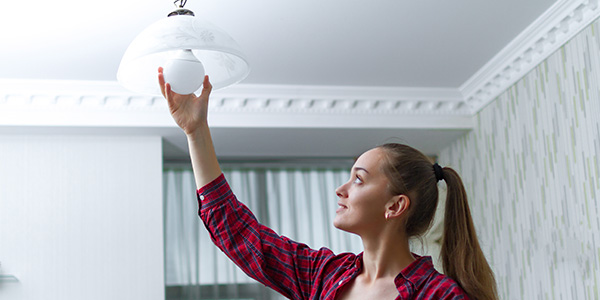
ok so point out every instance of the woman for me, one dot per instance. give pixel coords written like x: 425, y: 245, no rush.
x: 391, y: 196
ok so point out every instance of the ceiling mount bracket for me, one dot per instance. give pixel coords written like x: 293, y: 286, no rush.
x: 180, y: 11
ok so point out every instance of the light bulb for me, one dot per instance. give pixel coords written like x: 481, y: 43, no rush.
x: 184, y: 72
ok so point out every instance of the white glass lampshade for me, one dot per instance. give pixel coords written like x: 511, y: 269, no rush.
x: 163, y: 41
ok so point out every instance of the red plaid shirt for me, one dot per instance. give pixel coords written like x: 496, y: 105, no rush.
x: 293, y: 269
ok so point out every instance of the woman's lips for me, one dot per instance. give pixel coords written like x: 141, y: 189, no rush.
x: 342, y: 207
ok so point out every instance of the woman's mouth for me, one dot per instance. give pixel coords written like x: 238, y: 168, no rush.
x: 341, y: 207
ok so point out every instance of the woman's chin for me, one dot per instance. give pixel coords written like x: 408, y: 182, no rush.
x: 340, y: 224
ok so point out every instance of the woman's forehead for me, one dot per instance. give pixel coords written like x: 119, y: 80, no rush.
x: 369, y: 161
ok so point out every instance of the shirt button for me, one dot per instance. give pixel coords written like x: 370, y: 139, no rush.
x: 201, y: 197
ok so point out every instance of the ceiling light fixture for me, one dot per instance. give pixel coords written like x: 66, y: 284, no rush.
x: 186, y: 47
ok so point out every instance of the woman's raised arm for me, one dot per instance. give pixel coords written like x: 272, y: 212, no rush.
x: 190, y: 113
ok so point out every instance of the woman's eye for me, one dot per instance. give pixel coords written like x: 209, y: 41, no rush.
x: 357, y: 180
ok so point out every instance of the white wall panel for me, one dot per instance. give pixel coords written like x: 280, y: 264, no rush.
x: 81, y: 217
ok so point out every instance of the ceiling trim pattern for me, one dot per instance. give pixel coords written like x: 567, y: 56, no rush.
x: 543, y: 37
x: 339, y: 100
x: 85, y: 103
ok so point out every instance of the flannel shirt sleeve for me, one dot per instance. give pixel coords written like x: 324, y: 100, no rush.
x: 290, y: 268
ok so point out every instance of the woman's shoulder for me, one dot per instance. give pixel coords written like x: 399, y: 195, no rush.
x: 344, y: 260
x: 440, y: 286
x: 336, y: 263
x: 429, y: 283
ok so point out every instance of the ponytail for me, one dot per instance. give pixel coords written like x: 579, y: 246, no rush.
x: 410, y: 173
x: 461, y: 254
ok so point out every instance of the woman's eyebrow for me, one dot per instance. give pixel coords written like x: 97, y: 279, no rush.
x: 360, y: 169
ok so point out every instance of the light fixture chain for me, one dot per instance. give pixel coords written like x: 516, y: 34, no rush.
x: 181, y: 3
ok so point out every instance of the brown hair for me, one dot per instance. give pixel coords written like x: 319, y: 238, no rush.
x: 411, y: 173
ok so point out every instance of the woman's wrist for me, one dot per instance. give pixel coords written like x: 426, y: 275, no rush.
x: 204, y: 159
x: 199, y: 133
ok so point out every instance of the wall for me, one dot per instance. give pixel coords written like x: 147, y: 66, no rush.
x: 81, y: 217
x: 531, y: 169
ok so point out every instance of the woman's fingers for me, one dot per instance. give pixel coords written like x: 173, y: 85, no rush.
x: 206, y: 88
x: 161, y: 81
x: 169, y: 94
x: 165, y: 88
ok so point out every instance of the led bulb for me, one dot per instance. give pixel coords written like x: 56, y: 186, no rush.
x: 184, y: 72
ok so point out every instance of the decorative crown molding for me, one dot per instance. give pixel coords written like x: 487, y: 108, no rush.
x: 239, y: 98
x: 339, y: 100
x: 88, y: 103
x: 539, y: 40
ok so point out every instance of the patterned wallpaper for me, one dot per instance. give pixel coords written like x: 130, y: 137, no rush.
x: 531, y: 170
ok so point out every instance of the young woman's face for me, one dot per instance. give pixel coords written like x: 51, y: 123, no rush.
x: 362, y: 199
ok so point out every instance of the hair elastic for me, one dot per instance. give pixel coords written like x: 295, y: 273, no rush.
x: 439, y: 173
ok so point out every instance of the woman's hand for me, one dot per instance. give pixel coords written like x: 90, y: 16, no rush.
x: 188, y: 111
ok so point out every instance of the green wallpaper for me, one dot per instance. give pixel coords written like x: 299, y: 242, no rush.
x: 531, y: 170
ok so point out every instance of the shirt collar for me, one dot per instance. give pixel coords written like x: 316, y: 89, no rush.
x: 410, y: 278
x: 414, y: 275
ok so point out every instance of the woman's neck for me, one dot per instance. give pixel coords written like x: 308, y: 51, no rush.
x: 385, y: 255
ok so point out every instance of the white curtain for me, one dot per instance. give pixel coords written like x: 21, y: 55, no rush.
x: 299, y: 203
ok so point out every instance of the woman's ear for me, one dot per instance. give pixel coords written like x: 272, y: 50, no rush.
x: 397, y: 206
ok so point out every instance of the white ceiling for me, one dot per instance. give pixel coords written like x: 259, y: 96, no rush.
x: 341, y: 43
x: 336, y: 42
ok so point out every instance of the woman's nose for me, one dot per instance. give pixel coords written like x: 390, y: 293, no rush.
x: 340, y: 192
